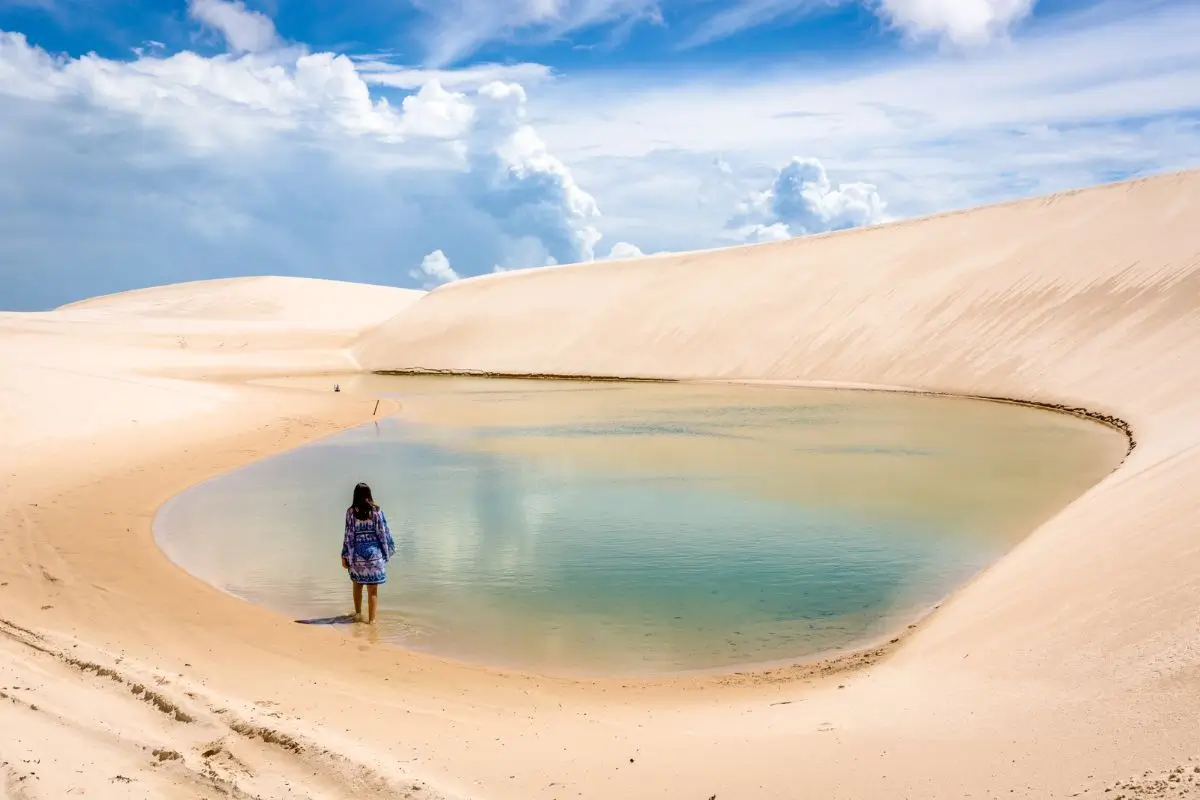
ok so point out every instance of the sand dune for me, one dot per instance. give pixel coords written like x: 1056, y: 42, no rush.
x: 1070, y: 667
x: 104, y: 364
x: 310, y: 301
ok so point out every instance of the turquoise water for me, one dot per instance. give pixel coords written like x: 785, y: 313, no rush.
x: 642, y: 528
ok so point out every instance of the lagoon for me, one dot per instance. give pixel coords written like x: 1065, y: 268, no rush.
x: 588, y: 528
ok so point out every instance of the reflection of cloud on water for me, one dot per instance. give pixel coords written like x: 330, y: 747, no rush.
x: 866, y: 450
x: 605, y: 429
x: 683, y: 533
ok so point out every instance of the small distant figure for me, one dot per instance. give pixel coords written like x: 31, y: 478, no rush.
x: 337, y: 387
x: 366, y: 549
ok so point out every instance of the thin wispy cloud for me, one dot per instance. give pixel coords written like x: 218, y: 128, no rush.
x: 1064, y: 76
x: 747, y: 14
x: 381, y: 72
x: 1051, y: 110
x: 455, y: 29
x: 960, y: 23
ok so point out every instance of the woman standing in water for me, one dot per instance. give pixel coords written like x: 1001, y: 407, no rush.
x: 366, y: 548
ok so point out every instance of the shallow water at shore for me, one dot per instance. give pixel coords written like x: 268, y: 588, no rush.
x: 606, y: 528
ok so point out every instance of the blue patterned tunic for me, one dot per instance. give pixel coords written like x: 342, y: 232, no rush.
x: 367, y: 547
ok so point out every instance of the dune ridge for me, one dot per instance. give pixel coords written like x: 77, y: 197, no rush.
x: 1070, y: 667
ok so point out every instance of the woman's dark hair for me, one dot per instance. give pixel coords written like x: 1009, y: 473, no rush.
x: 363, y: 505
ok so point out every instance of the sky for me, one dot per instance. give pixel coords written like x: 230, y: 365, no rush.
x: 415, y: 142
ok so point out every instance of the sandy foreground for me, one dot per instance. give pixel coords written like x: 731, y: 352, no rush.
x: 1070, y: 667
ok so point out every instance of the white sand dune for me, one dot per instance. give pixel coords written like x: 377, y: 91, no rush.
x: 1070, y: 666
x: 310, y: 301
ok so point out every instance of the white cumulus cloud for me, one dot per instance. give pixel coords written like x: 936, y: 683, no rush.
x: 435, y: 270
x: 211, y: 103
x: 244, y: 31
x: 525, y: 186
x: 168, y: 167
x: 625, y: 250
x: 964, y: 23
x: 802, y: 200
x: 437, y: 113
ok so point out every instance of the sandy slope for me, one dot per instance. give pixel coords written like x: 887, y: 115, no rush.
x: 309, y: 301
x: 1071, y: 665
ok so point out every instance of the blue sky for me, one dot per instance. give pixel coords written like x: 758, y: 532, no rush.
x: 409, y: 142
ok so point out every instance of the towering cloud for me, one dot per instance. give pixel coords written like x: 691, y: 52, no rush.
x: 522, y: 184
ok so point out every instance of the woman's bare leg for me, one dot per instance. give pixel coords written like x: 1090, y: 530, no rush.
x: 372, y: 598
x: 358, y: 599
